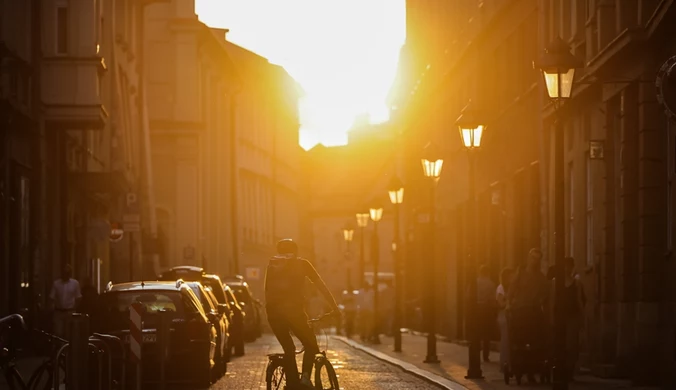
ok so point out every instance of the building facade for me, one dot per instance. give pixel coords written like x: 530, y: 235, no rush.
x: 69, y: 156
x: 19, y: 152
x: 266, y: 177
x: 617, y: 202
x: 190, y: 85
x: 92, y: 165
x: 346, y: 180
x: 224, y: 125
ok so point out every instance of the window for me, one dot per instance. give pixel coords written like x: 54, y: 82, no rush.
x: 590, y: 213
x: 571, y: 211
x: 62, y: 29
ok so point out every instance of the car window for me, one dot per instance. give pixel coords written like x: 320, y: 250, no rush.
x: 209, y: 293
x: 192, y: 304
x: 242, y: 294
x: 231, y: 297
x: 115, y: 307
x: 217, y: 288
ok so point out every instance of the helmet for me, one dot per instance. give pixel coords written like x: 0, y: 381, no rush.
x: 287, y: 246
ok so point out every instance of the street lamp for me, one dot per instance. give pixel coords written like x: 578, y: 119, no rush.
x: 362, y: 223
x: 432, y: 162
x: 396, y: 192
x: 348, y: 235
x: 376, y: 213
x: 471, y: 131
x: 558, y: 66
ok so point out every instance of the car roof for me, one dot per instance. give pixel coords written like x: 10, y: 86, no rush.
x: 187, y: 268
x: 238, y: 283
x: 144, y: 286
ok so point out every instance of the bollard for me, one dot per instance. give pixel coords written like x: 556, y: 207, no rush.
x: 136, y: 338
x: 78, y: 354
x: 163, y: 337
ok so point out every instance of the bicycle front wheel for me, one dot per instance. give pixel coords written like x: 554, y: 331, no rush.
x: 275, y: 377
x: 325, y: 375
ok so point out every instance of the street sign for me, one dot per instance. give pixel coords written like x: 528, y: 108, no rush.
x: 253, y: 273
x: 132, y: 222
x: 116, y: 232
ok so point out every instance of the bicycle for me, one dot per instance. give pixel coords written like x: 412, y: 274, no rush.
x: 275, y: 377
x: 13, y: 377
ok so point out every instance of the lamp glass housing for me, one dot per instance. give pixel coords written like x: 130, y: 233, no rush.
x: 362, y: 219
x: 559, y: 82
x: 471, y: 136
x: 432, y: 168
x: 376, y: 213
x: 397, y: 196
x: 348, y: 234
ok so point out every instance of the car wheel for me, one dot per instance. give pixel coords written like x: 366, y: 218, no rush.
x: 239, y: 346
x: 205, y: 374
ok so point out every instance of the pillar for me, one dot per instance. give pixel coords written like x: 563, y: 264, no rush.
x: 651, y: 235
x: 626, y: 245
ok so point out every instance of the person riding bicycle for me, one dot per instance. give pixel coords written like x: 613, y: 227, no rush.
x: 285, y: 307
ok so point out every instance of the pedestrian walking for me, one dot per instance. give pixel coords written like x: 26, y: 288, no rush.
x: 573, y: 303
x: 486, y: 310
x: 501, y: 297
x: 65, y: 297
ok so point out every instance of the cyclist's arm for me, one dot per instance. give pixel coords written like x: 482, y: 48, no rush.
x: 314, y: 277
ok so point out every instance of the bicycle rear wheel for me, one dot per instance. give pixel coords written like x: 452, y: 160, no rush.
x: 325, y: 375
x: 275, y: 377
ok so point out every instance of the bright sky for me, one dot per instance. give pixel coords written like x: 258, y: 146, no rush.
x: 342, y: 52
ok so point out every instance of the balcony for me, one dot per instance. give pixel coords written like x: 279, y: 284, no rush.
x: 71, y: 92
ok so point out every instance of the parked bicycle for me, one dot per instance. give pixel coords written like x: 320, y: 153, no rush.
x: 325, y: 375
x: 12, y: 328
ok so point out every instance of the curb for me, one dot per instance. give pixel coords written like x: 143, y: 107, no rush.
x: 408, y: 367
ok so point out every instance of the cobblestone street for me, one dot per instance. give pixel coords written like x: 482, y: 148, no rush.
x: 355, y: 369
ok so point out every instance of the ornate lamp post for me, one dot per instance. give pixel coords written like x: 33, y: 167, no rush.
x: 376, y: 213
x: 431, y: 164
x: 558, y: 66
x: 348, y: 235
x: 471, y: 131
x: 396, y: 192
x: 362, y: 222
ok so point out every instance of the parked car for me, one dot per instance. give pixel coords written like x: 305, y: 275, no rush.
x: 197, y: 274
x: 251, y: 306
x: 218, y: 315
x: 193, y: 337
x: 237, y: 328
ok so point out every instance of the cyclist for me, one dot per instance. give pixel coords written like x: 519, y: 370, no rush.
x: 285, y: 307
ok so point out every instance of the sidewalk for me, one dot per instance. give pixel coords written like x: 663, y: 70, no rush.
x: 454, y: 360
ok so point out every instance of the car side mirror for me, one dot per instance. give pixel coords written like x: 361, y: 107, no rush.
x: 223, y: 309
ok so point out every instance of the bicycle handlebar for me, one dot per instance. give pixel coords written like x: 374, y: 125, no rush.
x: 14, y: 317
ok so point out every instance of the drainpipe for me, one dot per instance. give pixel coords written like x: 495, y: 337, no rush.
x: 145, y: 127
x: 544, y: 143
x: 234, y: 217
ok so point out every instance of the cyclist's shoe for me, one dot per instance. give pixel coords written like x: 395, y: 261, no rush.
x: 305, y: 384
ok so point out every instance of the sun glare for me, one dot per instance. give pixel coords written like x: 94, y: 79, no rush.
x: 343, y: 53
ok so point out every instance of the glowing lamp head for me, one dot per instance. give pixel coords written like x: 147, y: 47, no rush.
x: 396, y: 190
x: 376, y: 213
x: 432, y: 162
x: 471, y: 130
x: 362, y: 219
x: 558, y: 66
x: 348, y: 233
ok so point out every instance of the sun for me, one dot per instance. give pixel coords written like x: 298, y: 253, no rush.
x: 343, y: 53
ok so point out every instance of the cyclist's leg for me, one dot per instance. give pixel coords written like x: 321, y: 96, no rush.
x: 281, y: 330
x: 302, y: 330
